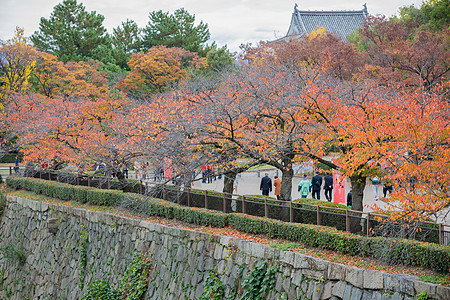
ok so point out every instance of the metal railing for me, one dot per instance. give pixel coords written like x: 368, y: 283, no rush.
x: 288, y: 211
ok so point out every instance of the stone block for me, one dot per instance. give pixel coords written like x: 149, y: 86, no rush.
x: 400, y: 283
x: 296, y: 276
x: 347, y: 292
x: 271, y: 253
x: 286, y: 284
x: 218, y: 251
x: 225, y: 240
x: 373, y: 280
x: 430, y: 288
x: 354, y: 276
x: 366, y: 295
x: 317, y: 291
x: 339, y: 289
x: 326, y: 294
x: 315, y: 274
x: 356, y: 293
x: 300, y: 261
x: 257, y: 250
x: 336, y: 271
x: 442, y: 292
x: 279, y: 284
x: 287, y: 257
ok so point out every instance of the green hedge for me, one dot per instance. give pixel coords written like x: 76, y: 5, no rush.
x: 407, y: 252
x: 10, y: 158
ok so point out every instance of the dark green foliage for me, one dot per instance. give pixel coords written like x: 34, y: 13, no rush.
x: 434, y: 14
x: 2, y: 203
x: 126, y: 40
x: 177, y: 30
x: 134, y: 282
x: 219, y: 59
x: 72, y: 33
x: 259, y: 282
x: 10, y: 158
x: 132, y: 287
x: 214, y: 287
x: 14, y: 253
x: 83, y: 256
x: 101, y: 290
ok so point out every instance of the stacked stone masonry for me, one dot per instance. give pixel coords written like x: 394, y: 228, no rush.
x: 182, y: 260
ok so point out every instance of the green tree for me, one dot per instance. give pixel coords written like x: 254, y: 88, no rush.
x: 72, y: 33
x: 177, y: 30
x: 218, y: 59
x: 126, y: 40
x: 432, y: 13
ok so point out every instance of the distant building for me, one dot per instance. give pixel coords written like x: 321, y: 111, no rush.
x: 340, y: 23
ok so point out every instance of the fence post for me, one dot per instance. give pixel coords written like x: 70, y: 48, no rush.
x: 347, y: 221
x: 291, y: 212
x: 164, y: 192
x: 10, y: 170
x: 441, y: 234
x: 206, y: 199
x: 319, y: 217
x: 224, y: 203
x: 266, y: 208
x: 368, y: 224
x: 178, y: 195
x: 243, y: 204
x: 78, y: 180
x: 89, y: 179
x: 189, y: 197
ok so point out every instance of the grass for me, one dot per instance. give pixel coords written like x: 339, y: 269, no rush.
x: 426, y: 275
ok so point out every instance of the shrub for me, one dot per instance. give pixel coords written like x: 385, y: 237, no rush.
x: 406, y: 252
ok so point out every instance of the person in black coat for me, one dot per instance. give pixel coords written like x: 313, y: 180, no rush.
x: 349, y: 198
x: 316, y: 185
x: 266, y: 185
x: 328, y: 187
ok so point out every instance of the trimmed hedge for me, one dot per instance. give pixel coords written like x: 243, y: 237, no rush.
x: 407, y: 252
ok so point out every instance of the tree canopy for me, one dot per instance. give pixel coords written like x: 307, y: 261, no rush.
x: 72, y: 33
x: 176, y: 30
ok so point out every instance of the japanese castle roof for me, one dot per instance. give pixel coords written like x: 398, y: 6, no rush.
x: 340, y: 23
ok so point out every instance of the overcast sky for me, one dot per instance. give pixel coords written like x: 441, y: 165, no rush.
x: 230, y: 22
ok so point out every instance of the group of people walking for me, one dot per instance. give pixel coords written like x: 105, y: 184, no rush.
x: 305, y: 186
x: 315, y: 185
x: 266, y: 185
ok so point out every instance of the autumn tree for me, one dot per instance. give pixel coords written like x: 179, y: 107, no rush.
x: 157, y: 69
x: 16, y: 65
x: 72, y: 33
x: 399, y: 54
x: 177, y: 30
x: 53, y: 78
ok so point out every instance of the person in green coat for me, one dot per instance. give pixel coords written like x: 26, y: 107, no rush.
x: 304, y: 187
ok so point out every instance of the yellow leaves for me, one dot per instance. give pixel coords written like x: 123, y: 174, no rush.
x: 320, y: 31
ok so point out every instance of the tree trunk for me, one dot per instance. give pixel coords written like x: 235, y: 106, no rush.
x: 228, y: 186
x: 228, y: 182
x: 286, y: 184
x: 122, y: 180
x: 358, y: 183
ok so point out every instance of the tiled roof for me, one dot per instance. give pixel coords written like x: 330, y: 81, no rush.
x: 340, y: 23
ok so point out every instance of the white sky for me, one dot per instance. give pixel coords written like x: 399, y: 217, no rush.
x: 230, y: 22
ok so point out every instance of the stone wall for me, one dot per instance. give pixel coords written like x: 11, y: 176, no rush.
x: 182, y: 260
